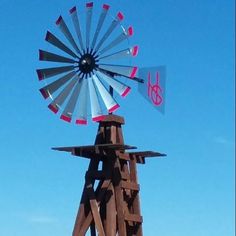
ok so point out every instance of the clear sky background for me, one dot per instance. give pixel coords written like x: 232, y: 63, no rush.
x: 191, y: 191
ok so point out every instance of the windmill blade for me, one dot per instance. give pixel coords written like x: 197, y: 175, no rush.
x: 101, y: 20
x: 64, y: 29
x: 51, y: 38
x: 82, y: 106
x: 108, y: 100
x: 76, y: 23
x: 89, y: 12
x: 95, y: 106
x: 48, y: 56
x: 50, y: 72
x: 70, y: 107
x: 129, y: 52
x: 123, y: 36
x: 49, y: 89
x: 127, y: 71
x: 60, y: 99
x: 113, y: 25
x: 119, y: 87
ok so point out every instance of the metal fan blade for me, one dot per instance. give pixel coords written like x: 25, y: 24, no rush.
x: 49, y: 89
x: 123, y: 36
x: 89, y: 13
x: 76, y: 23
x: 113, y: 25
x: 95, y: 106
x: 50, y: 72
x: 102, y: 17
x: 129, y: 52
x: 119, y: 87
x: 127, y: 71
x: 48, y: 56
x: 70, y: 107
x: 60, y: 99
x: 64, y: 29
x: 109, y: 101
x: 51, y: 38
x: 82, y: 106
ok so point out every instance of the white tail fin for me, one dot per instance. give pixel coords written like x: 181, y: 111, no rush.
x: 154, y: 86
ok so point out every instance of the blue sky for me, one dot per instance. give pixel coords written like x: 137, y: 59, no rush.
x: 191, y: 191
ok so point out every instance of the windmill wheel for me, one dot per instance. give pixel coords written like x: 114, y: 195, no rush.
x: 84, y: 76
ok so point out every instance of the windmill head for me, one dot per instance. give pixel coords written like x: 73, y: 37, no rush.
x: 86, y: 75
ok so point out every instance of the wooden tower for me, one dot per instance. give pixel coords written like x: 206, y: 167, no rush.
x: 110, y: 203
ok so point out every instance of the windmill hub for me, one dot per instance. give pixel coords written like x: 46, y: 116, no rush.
x: 87, y: 63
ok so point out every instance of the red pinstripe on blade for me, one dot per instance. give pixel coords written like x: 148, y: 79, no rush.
x: 53, y: 108
x: 44, y: 93
x: 41, y: 55
x: 81, y: 122
x: 114, y: 108
x: 89, y: 4
x: 66, y: 118
x: 135, y: 51
x: 106, y: 7
x: 72, y: 10
x: 120, y: 16
x: 134, y: 71
x: 59, y: 20
x: 126, y: 92
x: 98, y: 118
x: 40, y: 75
x: 130, y: 31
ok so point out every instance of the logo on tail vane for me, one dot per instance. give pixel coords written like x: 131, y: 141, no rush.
x: 153, y: 88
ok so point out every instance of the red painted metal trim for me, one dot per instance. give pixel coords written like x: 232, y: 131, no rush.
x: 135, y: 51
x: 41, y: 55
x: 47, y: 36
x: 65, y: 118
x: 130, y: 31
x: 89, y: 4
x: 59, y: 20
x: 126, y: 92
x: 98, y: 118
x: 120, y: 16
x: 106, y: 7
x: 40, y: 75
x: 44, y: 93
x: 54, y: 108
x: 133, y: 72
x: 81, y: 122
x: 72, y: 10
x: 114, y: 108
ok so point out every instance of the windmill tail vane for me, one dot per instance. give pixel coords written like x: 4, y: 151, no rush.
x: 153, y: 86
x: 86, y: 73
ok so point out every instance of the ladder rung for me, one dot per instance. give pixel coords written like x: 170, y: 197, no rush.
x: 130, y: 185
x: 134, y: 218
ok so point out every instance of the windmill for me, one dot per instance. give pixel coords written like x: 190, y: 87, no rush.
x: 86, y: 80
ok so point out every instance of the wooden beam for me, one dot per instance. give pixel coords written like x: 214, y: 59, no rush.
x: 147, y: 154
x: 96, y: 174
x: 110, y: 227
x: 89, y: 218
x: 130, y: 185
x: 95, y: 210
x: 133, y: 218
